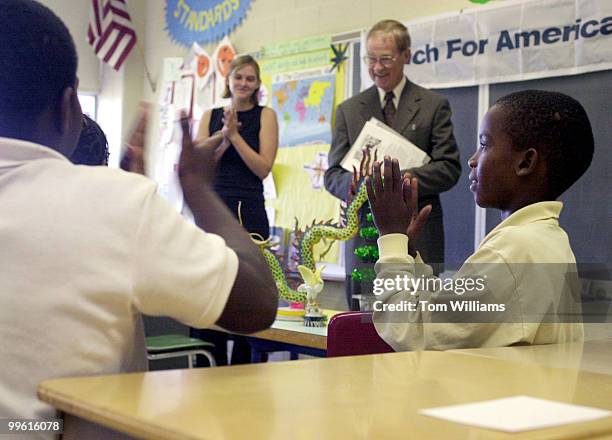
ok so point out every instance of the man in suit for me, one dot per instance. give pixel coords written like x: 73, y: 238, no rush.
x: 420, y: 115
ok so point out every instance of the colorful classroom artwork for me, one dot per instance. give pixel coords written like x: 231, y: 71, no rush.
x: 208, y: 72
x: 192, y: 84
x: 296, y: 197
x: 203, y: 21
x: 316, y: 170
x: 301, y: 46
x: 201, y: 64
x: 176, y: 93
x: 304, y: 109
x: 298, y: 80
x: 223, y: 56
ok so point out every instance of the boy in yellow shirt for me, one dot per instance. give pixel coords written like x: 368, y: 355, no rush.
x: 521, y: 285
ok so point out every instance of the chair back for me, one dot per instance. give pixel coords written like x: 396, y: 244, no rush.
x: 353, y: 333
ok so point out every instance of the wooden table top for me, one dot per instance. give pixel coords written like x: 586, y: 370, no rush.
x: 295, y: 332
x: 361, y: 397
x: 593, y: 356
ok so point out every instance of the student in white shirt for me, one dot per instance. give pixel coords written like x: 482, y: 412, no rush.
x: 86, y: 250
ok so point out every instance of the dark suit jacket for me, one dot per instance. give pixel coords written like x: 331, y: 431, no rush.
x: 424, y: 118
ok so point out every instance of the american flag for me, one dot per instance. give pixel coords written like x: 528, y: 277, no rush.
x: 111, y: 33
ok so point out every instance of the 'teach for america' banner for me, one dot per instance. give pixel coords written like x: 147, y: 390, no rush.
x: 510, y: 41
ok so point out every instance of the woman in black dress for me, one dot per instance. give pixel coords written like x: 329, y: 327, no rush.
x: 245, y: 138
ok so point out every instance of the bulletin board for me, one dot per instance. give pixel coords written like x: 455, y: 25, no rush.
x: 304, y: 90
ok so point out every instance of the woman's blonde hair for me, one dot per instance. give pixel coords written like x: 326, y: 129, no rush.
x: 237, y: 64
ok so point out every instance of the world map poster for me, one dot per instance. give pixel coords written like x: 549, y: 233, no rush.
x: 304, y: 110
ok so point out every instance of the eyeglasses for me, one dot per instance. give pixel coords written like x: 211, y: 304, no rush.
x: 385, y: 60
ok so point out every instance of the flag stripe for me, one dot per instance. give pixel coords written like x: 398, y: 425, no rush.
x: 111, y: 32
x: 114, y: 44
x: 96, y: 11
x: 125, y: 52
x: 110, y: 9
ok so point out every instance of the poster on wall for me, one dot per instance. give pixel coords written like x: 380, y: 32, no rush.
x: 199, y: 63
x: 303, y: 103
x: 223, y: 56
x: 302, y: 91
x: 298, y: 176
x: 209, y: 74
x: 193, y: 84
x: 176, y: 93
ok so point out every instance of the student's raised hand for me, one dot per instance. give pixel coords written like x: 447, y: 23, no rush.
x: 387, y: 199
x: 419, y: 218
x: 133, y: 157
x: 196, y: 167
x: 394, y: 201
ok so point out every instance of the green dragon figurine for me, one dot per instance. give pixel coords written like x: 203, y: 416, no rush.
x: 311, y: 236
x: 344, y: 230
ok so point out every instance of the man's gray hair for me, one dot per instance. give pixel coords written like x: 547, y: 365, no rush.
x: 396, y: 29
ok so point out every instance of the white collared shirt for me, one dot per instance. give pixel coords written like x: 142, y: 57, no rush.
x: 397, y: 92
x: 85, y: 250
x: 525, y: 263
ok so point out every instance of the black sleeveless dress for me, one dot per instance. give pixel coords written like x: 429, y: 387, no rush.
x: 234, y: 181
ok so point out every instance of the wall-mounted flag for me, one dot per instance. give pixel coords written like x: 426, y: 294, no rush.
x: 111, y: 33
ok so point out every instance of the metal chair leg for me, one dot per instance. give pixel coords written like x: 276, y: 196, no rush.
x: 189, y: 353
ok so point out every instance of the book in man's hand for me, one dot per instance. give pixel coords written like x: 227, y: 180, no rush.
x: 376, y: 136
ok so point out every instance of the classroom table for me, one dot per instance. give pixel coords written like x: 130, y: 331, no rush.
x: 361, y: 397
x: 291, y: 336
x: 594, y: 356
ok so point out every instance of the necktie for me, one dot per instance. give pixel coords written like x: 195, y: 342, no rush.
x: 389, y: 109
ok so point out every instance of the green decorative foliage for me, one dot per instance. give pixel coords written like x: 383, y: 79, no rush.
x: 367, y: 253
x: 368, y: 233
x: 363, y: 274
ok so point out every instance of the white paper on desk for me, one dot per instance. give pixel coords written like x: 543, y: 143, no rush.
x: 378, y: 137
x: 516, y: 414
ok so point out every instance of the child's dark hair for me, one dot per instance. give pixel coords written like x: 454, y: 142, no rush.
x: 557, y: 126
x: 39, y: 61
x: 92, y: 148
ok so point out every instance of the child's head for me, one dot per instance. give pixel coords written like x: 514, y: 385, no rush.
x: 92, y: 148
x: 533, y: 146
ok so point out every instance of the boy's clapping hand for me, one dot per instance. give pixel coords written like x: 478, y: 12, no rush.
x: 394, y: 200
x: 196, y: 168
x: 133, y: 158
x: 389, y: 198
